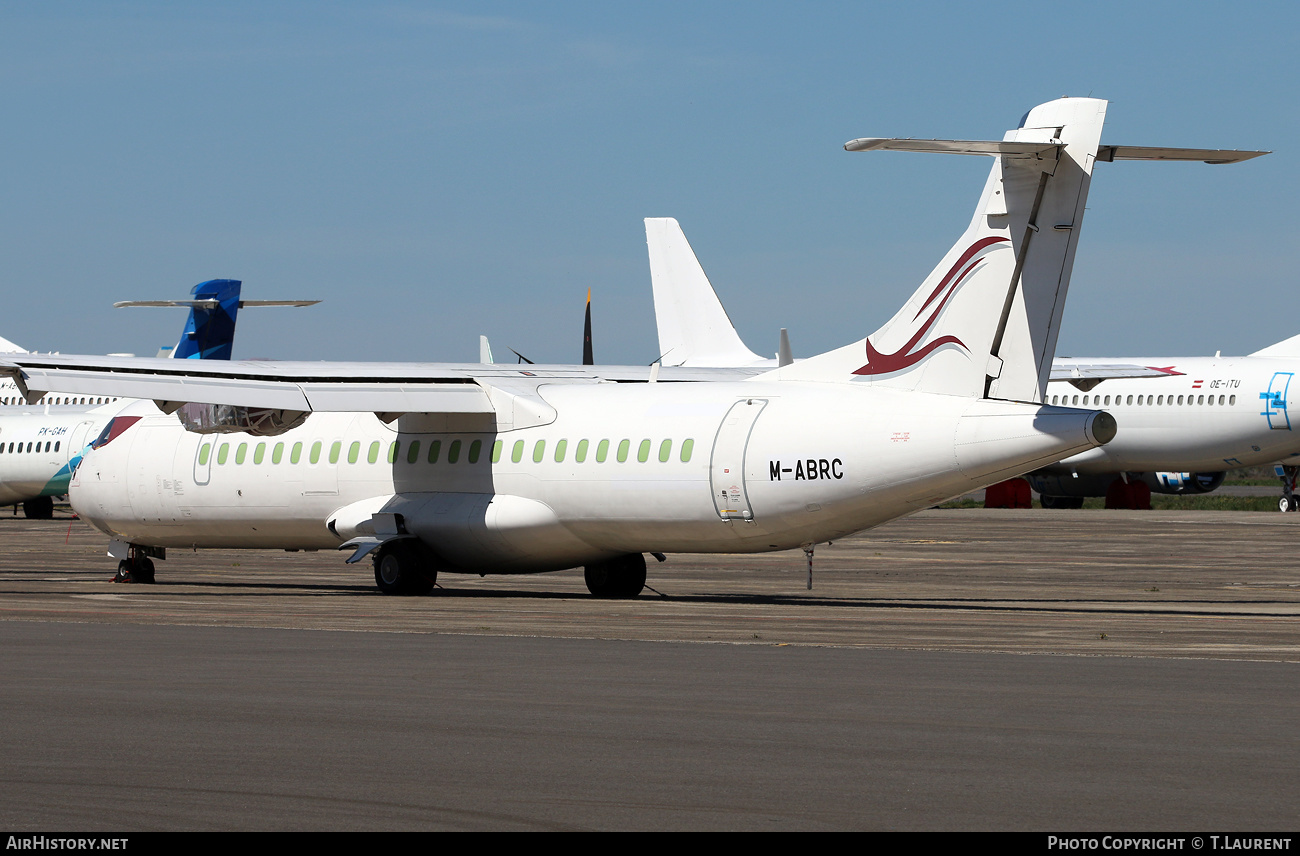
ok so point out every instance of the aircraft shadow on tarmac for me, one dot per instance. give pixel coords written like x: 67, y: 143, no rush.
x: 245, y: 588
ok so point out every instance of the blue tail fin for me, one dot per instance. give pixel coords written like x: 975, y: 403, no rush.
x: 210, y: 329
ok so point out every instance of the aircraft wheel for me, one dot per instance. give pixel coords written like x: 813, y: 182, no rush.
x: 1288, y: 503
x: 402, y: 567
x: 135, y: 571
x: 144, y: 570
x: 622, y: 577
x: 40, y: 508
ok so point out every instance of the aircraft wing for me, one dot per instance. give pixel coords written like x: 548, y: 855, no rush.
x: 389, y: 388
x: 1085, y: 376
x: 1067, y: 371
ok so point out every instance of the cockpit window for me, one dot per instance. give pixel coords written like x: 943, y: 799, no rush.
x: 113, y: 430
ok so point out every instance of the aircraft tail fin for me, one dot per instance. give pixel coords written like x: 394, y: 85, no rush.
x: 694, y: 329
x: 1285, y: 348
x: 210, y: 328
x: 209, y: 332
x: 984, y: 323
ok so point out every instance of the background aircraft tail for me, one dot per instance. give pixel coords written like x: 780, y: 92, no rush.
x: 1285, y: 348
x: 209, y: 332
x: 693, y: 327
x: 984, y: 323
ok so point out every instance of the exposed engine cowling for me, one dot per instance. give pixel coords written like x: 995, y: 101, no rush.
x: 1064, y: 484
x: 232, y: 419
x: 1184, y: 482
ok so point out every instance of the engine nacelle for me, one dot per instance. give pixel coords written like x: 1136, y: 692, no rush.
x: 232, y: 419
x: 1184, y: 483
x: 1088, y: 484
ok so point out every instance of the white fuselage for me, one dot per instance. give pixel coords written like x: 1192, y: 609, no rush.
x: 616, y: 469
x: 1219, y: 413
x: 40, y: 446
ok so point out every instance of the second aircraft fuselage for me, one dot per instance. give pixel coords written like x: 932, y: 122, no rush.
x: 1210, y: 414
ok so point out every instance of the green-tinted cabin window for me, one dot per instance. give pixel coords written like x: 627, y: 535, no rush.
x: 295, y: 454
x: 517, y: 453
x: 453, y: 452
x: 559, y: 451
x: 392, y: 451
x: 223, y: 453
x: 354, y: 451
x: 435, y: 447
x: 496, y: 452
x: 475, y: 449
x: 602, y: 451
x: 539, y: 451
x: 277, y: 454
x: 205, y: 452
x: 314, y: 457
x: 373, y: 455
x: 241, y: 453
x: 259, y: 453
x: 665, y: 451
x: 688, y: 446
x: 580, y: 453
x: 413, y: 452
x: 623, y: 446
x: 336, y: 448
x: 643, y: 451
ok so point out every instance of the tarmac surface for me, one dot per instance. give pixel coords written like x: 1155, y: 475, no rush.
x: 960, y: 669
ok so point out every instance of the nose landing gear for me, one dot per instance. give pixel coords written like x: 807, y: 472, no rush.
x: 1288, y: 501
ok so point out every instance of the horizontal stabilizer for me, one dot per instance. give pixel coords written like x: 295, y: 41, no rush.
x: 1015, y: 150
x: 210, y: 303
x: 1114, y: 153
x: 993, y: 148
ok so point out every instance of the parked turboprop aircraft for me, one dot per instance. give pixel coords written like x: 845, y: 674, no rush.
x: 1184, y: 429
x: 40, y: 446
x: 499, y: 469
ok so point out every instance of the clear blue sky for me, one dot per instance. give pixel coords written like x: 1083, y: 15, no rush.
x: 433, y: 171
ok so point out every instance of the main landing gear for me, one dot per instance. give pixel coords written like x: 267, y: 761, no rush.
x: 136, y: 568
x: 621, y: 577
x: 405, y: 566
x: 40, y: 508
